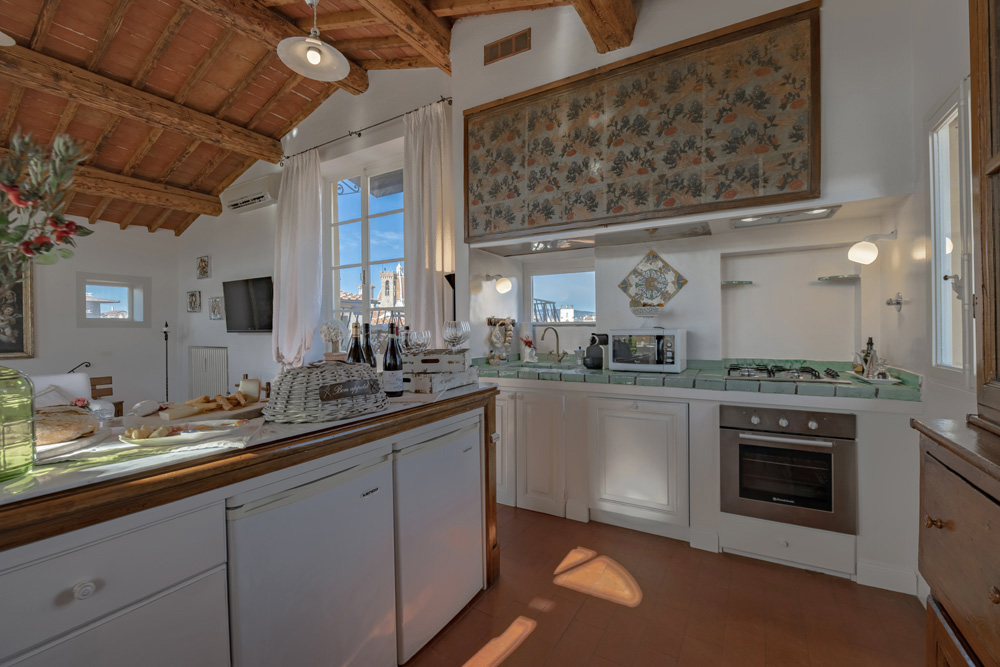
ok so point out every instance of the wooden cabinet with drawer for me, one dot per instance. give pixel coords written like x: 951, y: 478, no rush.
x: 960, y: 543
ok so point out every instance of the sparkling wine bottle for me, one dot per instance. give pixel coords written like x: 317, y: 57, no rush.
x: 354, y: 353
x: 366, y: 346
x: 392, y: 366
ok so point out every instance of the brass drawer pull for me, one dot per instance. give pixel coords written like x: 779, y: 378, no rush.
x: 933, y: 523
x: 994, y: 595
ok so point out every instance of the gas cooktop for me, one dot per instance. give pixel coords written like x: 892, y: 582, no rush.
x: 783, y: 374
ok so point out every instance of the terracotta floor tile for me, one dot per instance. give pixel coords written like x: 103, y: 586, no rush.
x: 698, y: 609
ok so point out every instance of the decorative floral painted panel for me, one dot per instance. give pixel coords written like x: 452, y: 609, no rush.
x: 730, y: 123
x: 653, y: 282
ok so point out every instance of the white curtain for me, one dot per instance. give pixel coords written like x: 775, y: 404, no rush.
x: 298, y: 259
x: 430, y: 216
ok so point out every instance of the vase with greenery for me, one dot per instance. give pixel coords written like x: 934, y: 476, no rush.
x: 34, y: 182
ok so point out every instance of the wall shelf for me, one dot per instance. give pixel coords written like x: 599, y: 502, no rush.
x: 843, y: 278
x: 731, y: 283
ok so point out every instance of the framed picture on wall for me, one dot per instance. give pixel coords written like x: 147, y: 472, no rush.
x: 194, y: 302
x: 204, y: 268
x: 17, y: 338
x: 215, y: 311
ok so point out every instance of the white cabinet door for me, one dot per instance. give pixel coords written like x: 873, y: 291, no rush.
x: 187, y: 625
x: 541, y: 451
x: 639, y: 459
x: 506, y: 450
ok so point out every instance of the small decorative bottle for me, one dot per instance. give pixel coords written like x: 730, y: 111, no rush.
x: 17, y: 423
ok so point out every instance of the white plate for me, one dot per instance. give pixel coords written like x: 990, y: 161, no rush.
x: 218, y: 429
x: 888, y: 380
x: 56, y: 449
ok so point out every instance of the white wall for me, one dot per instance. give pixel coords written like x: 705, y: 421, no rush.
x: 133, y: 357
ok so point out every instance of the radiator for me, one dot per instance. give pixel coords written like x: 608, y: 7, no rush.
x: 209, y: 371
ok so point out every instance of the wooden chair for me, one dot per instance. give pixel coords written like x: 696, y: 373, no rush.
x: 101, y: 387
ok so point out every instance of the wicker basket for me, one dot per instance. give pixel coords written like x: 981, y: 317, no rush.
x: 325, y: 392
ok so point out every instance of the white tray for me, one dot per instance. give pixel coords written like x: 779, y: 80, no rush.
x: 888, y: 380
x: 218, y: 428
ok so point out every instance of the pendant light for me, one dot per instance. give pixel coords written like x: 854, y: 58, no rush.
x: 311, y: 57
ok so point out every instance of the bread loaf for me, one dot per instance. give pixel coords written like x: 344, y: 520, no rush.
x: 63, y: 423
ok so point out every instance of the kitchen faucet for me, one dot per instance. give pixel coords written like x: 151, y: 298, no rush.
x: 558, y: 356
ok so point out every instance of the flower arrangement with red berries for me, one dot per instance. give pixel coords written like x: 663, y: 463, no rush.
x: 34, y: 183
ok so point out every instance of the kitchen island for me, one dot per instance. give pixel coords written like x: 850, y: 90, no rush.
x: 111, y: 569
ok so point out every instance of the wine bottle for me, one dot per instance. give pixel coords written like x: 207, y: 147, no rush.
x: 868, y: 352
x: 392, y: 366
x: 354, y: 353
x: 366, y: 346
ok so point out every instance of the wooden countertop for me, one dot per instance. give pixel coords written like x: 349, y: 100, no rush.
x: 971, y: 451
x: 32, y: 519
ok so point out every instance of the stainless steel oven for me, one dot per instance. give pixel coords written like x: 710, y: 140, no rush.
x: 790, y: 466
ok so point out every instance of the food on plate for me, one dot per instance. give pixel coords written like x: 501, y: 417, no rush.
x: 62, y: 423
x: 196, y: 401
x: 223, y: 402
x: 147, y: 432
x: 145, y: 408
x: 240, y: 398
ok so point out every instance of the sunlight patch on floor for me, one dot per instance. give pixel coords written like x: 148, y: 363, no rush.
x: 499, y: 648
x: 584, y: 571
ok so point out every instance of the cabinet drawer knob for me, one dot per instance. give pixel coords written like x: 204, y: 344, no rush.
x: 994, y: 595
x: 635, y: 405
x: 84, y: 590
x: 933, y: 523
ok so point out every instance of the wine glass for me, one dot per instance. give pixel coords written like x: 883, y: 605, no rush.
x: 420, y: 340
x: 379, y: 334
x: 454, y: 334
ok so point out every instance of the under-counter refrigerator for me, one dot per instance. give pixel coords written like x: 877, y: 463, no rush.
x: 311, y: 569
x: 440, y: 565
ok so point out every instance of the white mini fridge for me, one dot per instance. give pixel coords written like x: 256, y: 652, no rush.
x: 311, y: 570
x: 440, y: 562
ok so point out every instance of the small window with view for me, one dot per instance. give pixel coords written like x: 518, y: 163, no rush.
x: 564, y: 298
x: 112, y: 301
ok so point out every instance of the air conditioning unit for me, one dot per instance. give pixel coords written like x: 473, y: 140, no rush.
x: 254, y: 194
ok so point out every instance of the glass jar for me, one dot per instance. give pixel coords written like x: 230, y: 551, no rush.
x: 17, y: 423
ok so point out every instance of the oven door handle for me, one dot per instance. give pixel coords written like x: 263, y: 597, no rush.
x: 786, y: 441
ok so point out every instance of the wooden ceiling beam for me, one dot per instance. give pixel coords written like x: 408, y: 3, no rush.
x: 127, y: 220
x: 25, y: 67
x: 254, y: 20
x: 411, y: 20
x: 160, y: 219
x: 306, y: 110
x: 43, y: 24
x: 153, y: 58
x: 369, y: 43
x: 460, y: 8
x: 262, y: 112
x: 396, y: 63
x: 611, y: 23
x: 355, y: 18
x: 204, y: 66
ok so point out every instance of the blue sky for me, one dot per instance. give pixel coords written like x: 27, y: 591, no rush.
x: 576, y: 289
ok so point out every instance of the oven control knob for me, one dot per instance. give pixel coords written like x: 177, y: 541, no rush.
x: 754, y: 420
x: 813, y: 425
x: 782, y: 422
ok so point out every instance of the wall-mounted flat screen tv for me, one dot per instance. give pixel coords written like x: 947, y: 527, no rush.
x: 248, y: 304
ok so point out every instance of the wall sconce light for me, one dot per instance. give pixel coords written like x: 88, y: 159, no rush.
x: 866, y: 252
x: 503, y: 285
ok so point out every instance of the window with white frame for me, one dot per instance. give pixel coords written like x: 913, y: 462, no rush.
x: 951, y: 241
x: 562, y: 292
x: 107, y: 300
x: 369, y: 282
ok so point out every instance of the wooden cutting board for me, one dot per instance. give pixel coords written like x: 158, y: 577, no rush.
x: 249, y: 411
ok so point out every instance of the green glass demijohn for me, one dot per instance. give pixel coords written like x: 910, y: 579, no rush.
x: 17, y: 423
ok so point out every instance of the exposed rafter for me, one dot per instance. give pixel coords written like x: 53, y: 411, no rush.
x: 611, y: 23
x: 260, y: 23
x: 370, y: 43
x: 412, y: 21
x: 34, y: 70
x: 355, y: 18
x: 415, y: 62
x: 94, y: 181
x: 460, y: 8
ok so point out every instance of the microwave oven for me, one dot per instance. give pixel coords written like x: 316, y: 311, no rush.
x: 657, y: 350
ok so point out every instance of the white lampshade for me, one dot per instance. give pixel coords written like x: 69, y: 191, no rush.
x: 503, y: 285
x: 863, y: 252
x: 948, y: 245
x: 313, y: 59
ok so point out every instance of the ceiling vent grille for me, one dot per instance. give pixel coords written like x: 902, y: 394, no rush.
x: 509, y: 46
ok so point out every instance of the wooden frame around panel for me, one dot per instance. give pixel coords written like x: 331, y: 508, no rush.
x: 985, y: 166
x: 809, y: 9
x: 27, y: 319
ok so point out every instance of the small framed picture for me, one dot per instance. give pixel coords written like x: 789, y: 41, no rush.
x: 204, y: 267
x: 215, y: 311
x: 194, y: 302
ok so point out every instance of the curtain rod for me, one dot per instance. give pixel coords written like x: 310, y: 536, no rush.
x: 357, y: 133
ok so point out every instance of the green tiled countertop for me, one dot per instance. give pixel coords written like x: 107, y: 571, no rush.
x: 711, y: 375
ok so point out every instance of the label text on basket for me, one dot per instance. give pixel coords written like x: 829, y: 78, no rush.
x: 333, y: 392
